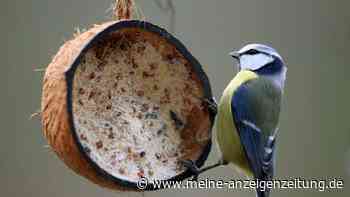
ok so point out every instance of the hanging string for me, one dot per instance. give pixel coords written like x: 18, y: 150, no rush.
x: 123, y: 9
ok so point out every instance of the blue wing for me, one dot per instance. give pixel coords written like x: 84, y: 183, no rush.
x: 255, y: 107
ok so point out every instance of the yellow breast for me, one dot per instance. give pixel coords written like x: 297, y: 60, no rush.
x: 227, y: 135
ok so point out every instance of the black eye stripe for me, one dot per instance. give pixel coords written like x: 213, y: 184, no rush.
x: 251, y: 52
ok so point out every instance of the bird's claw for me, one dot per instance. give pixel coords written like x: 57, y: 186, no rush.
x: 212, y: 105
x: 192, y: 167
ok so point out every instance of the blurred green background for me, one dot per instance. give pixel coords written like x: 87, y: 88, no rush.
x: 313, y: 36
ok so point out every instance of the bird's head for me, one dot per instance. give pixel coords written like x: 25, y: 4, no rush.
x: 255, y: 57
x: 263, y: 60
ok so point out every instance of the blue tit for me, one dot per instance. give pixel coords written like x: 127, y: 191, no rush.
x: 248, y: 113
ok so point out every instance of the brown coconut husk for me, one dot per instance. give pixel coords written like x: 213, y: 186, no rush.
x: 82, y: 86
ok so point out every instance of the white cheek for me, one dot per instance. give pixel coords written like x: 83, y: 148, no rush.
x: 254, y: 62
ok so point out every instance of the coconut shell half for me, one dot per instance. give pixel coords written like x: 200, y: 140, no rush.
x: 124, y: 101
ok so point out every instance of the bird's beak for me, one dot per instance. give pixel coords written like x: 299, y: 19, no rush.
x: 234, y: 54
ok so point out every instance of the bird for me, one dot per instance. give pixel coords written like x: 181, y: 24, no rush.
x: 247, y: 115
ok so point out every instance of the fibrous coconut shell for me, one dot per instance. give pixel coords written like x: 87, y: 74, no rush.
x: 125, y: 100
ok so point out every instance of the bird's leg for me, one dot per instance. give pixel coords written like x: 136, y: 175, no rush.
x: 212, y: 105
x: 190, y: 165
x: 219, y: 163
x: 196, y: 171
